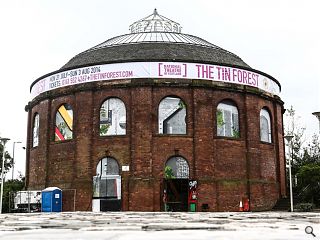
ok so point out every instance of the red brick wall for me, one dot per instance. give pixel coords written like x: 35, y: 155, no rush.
x: 226, y: 169
x: 38, y: 156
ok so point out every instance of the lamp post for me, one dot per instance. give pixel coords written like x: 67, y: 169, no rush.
x: 13, y: 158
x: 289, y: 140
x: 317, y: 114
x: 3, y: 141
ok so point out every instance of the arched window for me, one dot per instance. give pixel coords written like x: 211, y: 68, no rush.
x: 35, y: 131
x: 112, y: 117
x: 107, y: 182
x: 172, y: 116
x: 107, y: 167
x: 64, y: 123
x: 265, y: 126
x: 176, y: 167
x: 227, y: 119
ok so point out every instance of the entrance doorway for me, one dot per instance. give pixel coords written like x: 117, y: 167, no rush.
x: 177, y: 195
x: 107, y: 186
x: 176, y: 185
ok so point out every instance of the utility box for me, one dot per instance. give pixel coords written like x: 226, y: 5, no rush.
x: 51, y: 200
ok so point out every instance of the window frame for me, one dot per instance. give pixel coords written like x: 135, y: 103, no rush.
x: 55, y: 123
x: 125, y: 115
x: 230, y: 106
x: 184, y: 106
x: 264, y: 112
x: 36, y: 115
x: 114, y: 179
x: 176, y: 158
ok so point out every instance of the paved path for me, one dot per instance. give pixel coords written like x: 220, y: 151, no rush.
x: 153, y: 226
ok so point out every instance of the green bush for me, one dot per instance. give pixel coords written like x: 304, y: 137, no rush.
x: 304, y: 207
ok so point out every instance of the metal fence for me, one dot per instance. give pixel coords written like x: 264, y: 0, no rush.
x: 30, y: 201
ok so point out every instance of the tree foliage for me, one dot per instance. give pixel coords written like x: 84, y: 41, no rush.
x: 305, y: 160
x: 309, y: 182
x: 9, y: 188
x: 168, y: 172
x: 7, y: 165
x: 8, y: 160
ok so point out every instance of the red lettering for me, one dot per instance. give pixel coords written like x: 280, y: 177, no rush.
x: 219, y: 68
x: 234, y: 74
x: 226, y: 75
x: 211, y: 72
x: 204, y: 71
x: 256, y: 80
x: 249, y: 78
x: 239, y: 76
x: 244, y: 75
x: 198, y: 68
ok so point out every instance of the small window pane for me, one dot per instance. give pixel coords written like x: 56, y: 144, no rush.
x: 172, y: 116
x: 112, y: 117
x: 64, y: 123
x: 227, y: 120
x: 265, y: 126
x: 35, y: 142
x: 177, y: 167
x: 107, y: 166
x: 228, y: 123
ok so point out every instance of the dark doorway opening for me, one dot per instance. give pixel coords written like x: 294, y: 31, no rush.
x: 175, y: 198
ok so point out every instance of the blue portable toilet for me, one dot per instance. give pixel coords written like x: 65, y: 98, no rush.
x: 51, y: 200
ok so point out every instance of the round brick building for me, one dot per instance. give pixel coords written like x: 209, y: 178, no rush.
x: 157, y: 120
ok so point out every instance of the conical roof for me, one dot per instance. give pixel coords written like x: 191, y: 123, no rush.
x: 155, y: 38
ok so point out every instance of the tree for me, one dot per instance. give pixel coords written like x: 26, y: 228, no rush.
x: 309, y: 182
x: 293, y: 128
x: 11, y: 187
x: 305, y: 160
x: 312, y: 151
x: 8, y: 160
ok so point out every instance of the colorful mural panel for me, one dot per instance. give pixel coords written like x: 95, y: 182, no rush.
x: 64, y: 123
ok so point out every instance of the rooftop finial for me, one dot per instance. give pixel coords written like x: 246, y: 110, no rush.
x: 155, y: 23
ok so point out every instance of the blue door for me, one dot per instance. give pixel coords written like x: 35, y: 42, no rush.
x: 46, y: 201
x: 57, y: 201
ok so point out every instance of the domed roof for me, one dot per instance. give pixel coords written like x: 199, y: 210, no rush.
x: 155, y: 38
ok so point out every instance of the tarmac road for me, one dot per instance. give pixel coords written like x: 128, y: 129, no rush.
x: 160, y: 225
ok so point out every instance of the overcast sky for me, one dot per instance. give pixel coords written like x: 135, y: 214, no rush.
x: 278, y: 37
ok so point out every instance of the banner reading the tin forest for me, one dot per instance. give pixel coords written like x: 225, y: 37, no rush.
x: 179, y: 70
